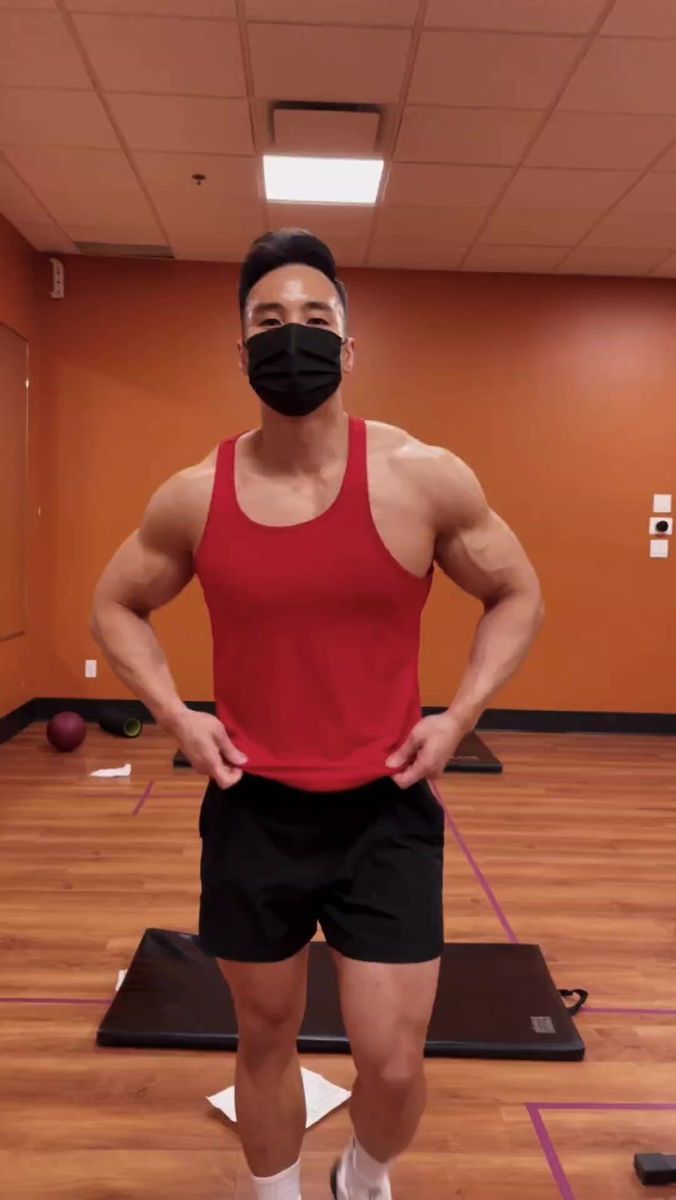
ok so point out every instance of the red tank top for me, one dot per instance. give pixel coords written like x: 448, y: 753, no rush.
x: 316, y: 631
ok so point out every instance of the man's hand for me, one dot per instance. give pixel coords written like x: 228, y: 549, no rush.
x: 427, y: 749
x: 207, y: 745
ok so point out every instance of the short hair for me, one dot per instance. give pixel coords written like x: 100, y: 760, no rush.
x: 280, y: 248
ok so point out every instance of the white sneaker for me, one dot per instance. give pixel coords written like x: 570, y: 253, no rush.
x: 340, y: 1189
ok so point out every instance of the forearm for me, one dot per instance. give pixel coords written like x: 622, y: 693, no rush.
x: 130, y: 645
x: 503, y: 638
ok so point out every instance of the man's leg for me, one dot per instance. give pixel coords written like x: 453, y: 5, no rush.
x: 269, y: 1000
x: 386, y: 1010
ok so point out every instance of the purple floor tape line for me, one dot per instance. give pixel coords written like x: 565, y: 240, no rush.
x: 144, y: 796
x: 488, y: 890
x: 535, y: 1112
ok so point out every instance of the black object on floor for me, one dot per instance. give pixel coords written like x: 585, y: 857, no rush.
x: 494, y: 1001
x: 119, y: 723
x: 656, y: 1169
x: 472, y: 755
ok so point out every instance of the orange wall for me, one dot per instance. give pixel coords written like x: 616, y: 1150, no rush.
x: 559, y: 391
x: 17, y: 309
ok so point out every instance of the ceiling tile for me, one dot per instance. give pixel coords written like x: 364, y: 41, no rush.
x: 516, y: 16
x: 308, y: 62
x: 517, y: 259
x: 601, y: 140
x: 225, y: 233
x: 201, y: 124
x: 599, y: 260
x: 46, y: 236
x: 491, y: 70
x: 548, y: 188
x: 653, y: 194
x: 624, y: 75
x: 668, y: 163
x: 635, y: 229
x: 465, y: 135
x: 165, y: 55
x: 537, y: 227
x: 642, y: 18
x: 41, y: 116
x: 17, y: 202
x: 49, y: 5
x: 37, y: 51
x: 414, y: 254
x: 446, y: 226
x: 206, y: 213
x: 172, y: 174
x: 225, y: 9
x: 442, y: 186
x: 82, y: 186
x: 666, y: 269
x: 326, y: 220
x: 327, y: 12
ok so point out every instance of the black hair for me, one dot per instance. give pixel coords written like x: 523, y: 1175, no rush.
x: 281, y: 247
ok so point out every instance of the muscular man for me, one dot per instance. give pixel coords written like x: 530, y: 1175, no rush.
x: 314, y: 539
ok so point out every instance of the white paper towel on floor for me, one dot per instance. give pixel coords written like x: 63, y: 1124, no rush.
x: 321, y: 1097
x: 113, y: 772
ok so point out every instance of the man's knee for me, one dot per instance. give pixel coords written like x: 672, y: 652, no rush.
x: 266, y: 1031
x: 396, y: 1072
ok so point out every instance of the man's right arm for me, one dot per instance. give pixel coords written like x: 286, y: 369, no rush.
x: 148, y: 571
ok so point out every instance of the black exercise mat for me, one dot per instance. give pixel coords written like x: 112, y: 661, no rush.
x: 472, y: 755
x: 494, y: 1001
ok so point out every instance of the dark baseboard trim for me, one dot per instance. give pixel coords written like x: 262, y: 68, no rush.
x: 498, y: 719
x: 17, y: 720
x: 524, y: 720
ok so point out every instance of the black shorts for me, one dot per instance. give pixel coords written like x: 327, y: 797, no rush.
x: 365, y: 864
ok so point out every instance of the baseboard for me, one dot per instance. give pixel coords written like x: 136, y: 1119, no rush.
x: 17, y: 720
x: 518, y: 720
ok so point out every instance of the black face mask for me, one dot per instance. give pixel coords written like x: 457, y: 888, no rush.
x: 295, y: 368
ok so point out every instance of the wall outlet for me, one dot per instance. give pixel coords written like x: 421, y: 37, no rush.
x: 91, y: 668
x: 659, y: 548
x: 661, y: 526
x: 662, y: 502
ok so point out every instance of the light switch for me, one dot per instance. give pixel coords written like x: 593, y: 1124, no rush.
x: 662, y: 502
x: 659, y: 548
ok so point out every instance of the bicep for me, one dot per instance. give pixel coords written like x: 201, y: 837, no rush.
x: 143, y: 577
x: 155, y: 563
x: 474, y: 546
x: 485, y: 558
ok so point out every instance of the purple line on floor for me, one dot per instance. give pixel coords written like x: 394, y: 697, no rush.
x: 592, y: 1106
x: 144, y: 796
x: 492, y: 898
x: 630, y: 1012
x: 52, y: 1000
x: 549, y: 1150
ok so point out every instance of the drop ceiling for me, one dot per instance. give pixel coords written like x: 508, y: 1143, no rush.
x: 519, y: 135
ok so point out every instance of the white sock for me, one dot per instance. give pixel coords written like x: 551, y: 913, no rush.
x: 285, y: 1186
x: 364, y: 1174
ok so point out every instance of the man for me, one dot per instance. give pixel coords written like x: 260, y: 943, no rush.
x: 314, y: 539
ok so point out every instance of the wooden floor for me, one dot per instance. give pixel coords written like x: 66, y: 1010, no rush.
x: 573, y: 847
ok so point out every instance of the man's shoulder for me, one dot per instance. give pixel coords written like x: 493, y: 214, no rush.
x: 410, y: 454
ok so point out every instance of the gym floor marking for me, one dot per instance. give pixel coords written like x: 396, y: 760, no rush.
x: 145, y: 795
x: 512, y: 936
x: 535, y: 1112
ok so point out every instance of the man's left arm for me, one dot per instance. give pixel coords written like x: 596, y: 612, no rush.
x: 477, y: 550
